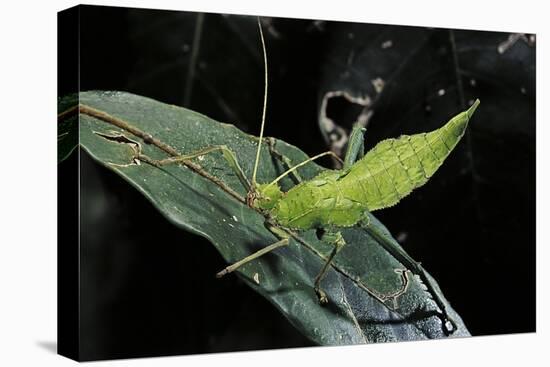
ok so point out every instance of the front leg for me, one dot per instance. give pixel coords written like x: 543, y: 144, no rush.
x: 287, y: 162
x: 227, y: 154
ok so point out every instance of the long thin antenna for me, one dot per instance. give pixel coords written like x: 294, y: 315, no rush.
x: 265, y: 104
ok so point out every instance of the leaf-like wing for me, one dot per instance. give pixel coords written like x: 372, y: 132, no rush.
x: 395, y: 167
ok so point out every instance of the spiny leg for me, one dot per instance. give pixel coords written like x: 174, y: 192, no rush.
x: 286, y: 161
x: 284, y: 241
x: 283, y: 158
x: 336, y: 239
x: 414, y: 267
x: 227, y: 153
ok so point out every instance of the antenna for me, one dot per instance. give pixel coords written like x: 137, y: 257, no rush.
x: 265, y: 104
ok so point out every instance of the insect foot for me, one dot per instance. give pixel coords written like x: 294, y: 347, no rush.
x: 321, y: 296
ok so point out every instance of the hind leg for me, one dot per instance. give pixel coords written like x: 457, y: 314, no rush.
x: 336, y: 239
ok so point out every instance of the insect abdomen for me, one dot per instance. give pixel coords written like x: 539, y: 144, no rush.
x: 386, y: 174
x: 395, y: 167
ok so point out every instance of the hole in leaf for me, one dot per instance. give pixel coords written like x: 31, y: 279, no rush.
x: 343, y: 111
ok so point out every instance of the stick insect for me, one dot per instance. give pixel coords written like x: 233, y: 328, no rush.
x: 336, y: 199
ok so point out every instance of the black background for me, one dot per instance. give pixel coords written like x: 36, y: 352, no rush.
x: 148, y: 288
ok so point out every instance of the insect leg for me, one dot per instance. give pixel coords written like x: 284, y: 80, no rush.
x: 231, y: 268
x: 227, y: 153
x: 283, y: 158
x: 336, y: 239
x: 295, y: 167
x: 415, y: 267
x: 284, y: 241
x: 356, y: 146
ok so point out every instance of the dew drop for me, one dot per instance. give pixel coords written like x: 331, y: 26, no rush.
x: 387, y: 44
x: 402, y: 236
x: 378, y: 84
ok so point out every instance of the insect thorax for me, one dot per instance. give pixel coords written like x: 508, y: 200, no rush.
x: 317, y: 203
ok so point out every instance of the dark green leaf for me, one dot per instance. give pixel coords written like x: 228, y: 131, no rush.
x: 285, y: 277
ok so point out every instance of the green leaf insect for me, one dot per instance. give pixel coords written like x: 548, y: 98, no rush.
x: 380, y: 179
